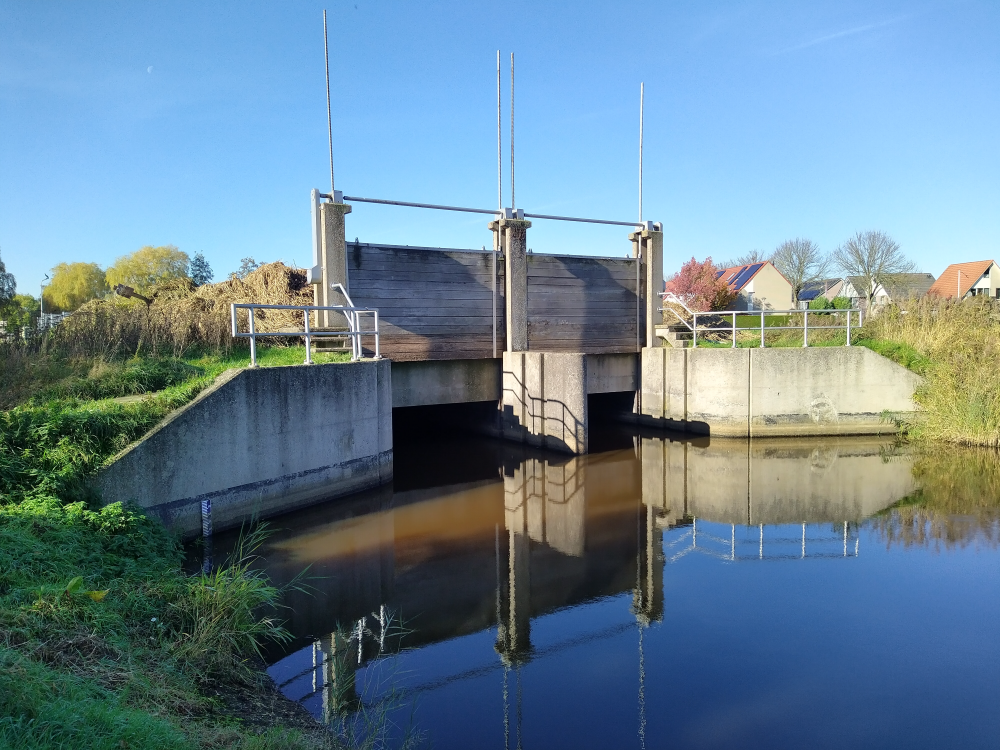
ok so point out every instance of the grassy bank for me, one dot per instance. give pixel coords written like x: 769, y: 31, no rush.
x: 104, y: 641
x: 956, y: 347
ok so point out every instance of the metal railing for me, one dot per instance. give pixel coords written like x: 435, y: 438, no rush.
x: 749, y: 542
x: 717, y: 321
x: 353, y: 315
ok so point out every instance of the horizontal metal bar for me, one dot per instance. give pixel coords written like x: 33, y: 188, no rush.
x: 491, y: 211
x: 310, y: 308
x: 585, y: 221
x: 313, y: 333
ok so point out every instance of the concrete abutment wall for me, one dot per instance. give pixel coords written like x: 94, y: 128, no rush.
x: 260, y: 442
x: 773, y: 392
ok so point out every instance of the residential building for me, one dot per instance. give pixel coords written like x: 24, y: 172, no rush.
x: 820, y: 288
x: 899, y: 289
x: 979, y: 278
x: 760, y: 287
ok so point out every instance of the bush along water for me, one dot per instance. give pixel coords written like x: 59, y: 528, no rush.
x: 105, y: 642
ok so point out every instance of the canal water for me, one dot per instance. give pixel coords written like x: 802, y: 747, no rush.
x: 659, y: 592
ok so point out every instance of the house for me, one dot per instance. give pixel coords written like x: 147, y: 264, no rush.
x: 903, y: 286
x: 760, y: 287
x: 828, y: 288
x: 980, y: 278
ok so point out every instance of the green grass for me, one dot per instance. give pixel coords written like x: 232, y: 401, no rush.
x: 104, y: 641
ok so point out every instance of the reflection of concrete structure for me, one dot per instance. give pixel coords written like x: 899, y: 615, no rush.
x: 770, y: 481
x: 452, y: 560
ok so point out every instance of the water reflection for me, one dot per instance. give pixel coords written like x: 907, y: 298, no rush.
x: 524, y: 540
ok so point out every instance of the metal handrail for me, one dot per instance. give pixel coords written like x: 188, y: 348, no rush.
x: 733, y: 328
x: 353, y: 315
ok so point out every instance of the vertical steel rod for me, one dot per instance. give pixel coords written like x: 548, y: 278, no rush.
x: 761, y: 329
x: 848, y: 327
x: 805, y: 328
x: 694, y: 331
x: 512, y: 203
x: 641, y: 86
x: 734, y: 330
x: 329, y: 118
x: 499, y: 147
x: 309, y: 361
x: 253, y: 341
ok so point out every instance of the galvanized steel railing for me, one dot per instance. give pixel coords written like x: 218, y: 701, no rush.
x: 718, y: 318
x: 353, y: 315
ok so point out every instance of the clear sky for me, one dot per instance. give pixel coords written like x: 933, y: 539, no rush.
x: 204, y: 124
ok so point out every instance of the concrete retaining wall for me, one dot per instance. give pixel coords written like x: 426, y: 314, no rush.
x: 261, y: 442
x: 759, y: 392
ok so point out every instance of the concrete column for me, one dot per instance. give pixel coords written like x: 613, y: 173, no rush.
x: 513, y: 237
x: 333, y: 259
x: 648, y: 245
x: 545, y: 400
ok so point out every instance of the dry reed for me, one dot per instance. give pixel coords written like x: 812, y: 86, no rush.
x: 960, y: 398
x: 182, y: 317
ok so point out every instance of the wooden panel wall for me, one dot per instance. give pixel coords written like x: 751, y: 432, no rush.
x: 432, y: 303
x: 581, y: 304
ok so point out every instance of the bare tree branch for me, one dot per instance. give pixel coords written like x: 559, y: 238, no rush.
x: 747, y: 259
x: 873, y: 259
x: 801, y: 262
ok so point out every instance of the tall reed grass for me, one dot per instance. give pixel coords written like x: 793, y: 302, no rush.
x: 960, y: 398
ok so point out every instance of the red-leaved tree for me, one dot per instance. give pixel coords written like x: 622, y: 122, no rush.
x: 696, y: 284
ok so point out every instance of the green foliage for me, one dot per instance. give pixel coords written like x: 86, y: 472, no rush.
x: 104, y: 641
x: 8, y: 286
x: 842, y: 303
x: 899, y: 352
x: 72, y: 285
x: 820, y: 303
x: 201, y: 271
x: 147, y: 267
x: 960, y: 342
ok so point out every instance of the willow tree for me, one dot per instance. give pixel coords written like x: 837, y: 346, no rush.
x: 147, y: 267
x: 73, y: 284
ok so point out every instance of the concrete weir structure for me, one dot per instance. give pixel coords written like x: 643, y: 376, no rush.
x: 261, y: 442
x: 530, y: 338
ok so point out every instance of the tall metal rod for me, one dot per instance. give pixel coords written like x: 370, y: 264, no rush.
x: 329, y: 117
x: 641, y: 86
x: 499, y: 142
x: 512, y: 203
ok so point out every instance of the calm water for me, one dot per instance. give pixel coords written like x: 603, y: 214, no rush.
x: 656, y: 593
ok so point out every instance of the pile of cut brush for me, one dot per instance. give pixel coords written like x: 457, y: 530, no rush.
x: 180, y: 317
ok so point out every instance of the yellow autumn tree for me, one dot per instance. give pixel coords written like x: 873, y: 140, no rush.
x: 148, y: 266
x: 73, y: 284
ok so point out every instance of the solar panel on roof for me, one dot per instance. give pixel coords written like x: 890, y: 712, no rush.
x: 745, y: 274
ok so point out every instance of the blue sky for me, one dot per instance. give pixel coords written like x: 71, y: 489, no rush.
x: 204, y: 124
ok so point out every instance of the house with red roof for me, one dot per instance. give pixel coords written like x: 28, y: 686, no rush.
x: 980, y: 278
x: 760, y: 287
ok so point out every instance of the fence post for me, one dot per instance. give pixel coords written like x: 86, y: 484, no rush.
x: 805, y: 327
x: 848, y: 327
x: 309, y: 361
x: 253, y: 339
x: 694, y: 330
x: 734, y: 330
x: 761, y: 329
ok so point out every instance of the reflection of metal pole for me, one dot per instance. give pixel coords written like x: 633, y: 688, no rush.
x: 803, y: 541
x: 642, y: 695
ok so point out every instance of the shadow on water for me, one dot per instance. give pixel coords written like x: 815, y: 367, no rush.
x: 480, y: 539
